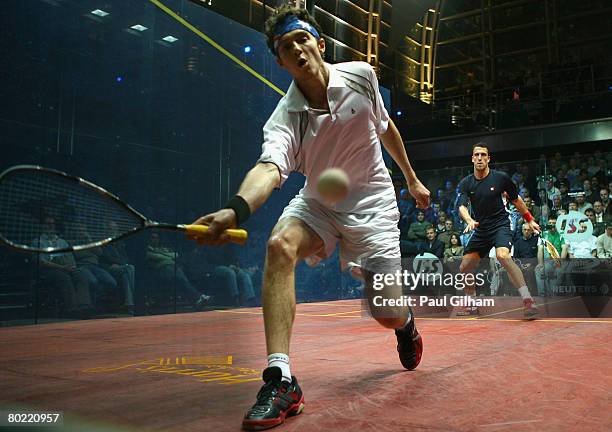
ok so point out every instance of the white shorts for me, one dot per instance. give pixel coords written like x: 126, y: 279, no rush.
x: 364, y: 238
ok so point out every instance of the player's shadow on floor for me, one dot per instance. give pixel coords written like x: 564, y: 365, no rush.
x: 371, y: 380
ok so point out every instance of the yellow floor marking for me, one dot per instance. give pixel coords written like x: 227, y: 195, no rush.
x: 553, y: 320
x: 520, y: 308
x: 330, y: 304
x: 338, y: 315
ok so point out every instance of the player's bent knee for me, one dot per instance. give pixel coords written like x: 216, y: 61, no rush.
x: 502, y: 256
x: 280, y: 248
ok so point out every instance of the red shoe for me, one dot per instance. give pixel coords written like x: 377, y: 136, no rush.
x: 530, y: 311
x: 409, y: 345
x: 276, y: 401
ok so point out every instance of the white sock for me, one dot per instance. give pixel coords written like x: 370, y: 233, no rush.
x: 281, y: 361
x: 524, y: 292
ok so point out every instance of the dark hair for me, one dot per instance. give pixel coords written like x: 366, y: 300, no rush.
x: 451, y: 238
x: 280, y: 15
x: 481, y: 145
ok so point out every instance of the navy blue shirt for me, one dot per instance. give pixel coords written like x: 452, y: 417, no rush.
x: 485, y: 196
x: 526, y: 248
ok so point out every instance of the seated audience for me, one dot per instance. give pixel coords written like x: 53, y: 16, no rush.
x: 61, y: 272
x: 604, y: 242
x: 440, y: 225
x: 453, y: 253
x: 410, y: 239
x: 604, y: 198
x: 162, y: 261
x: 431, y: 245
x: 598, y: 227
x: 589, y: 194
x: 548, y: 273
x: 115, y: 260
x: 584, y: 247
x: 598, y: 211
x: 235, y: 279
x: 449, y: 230
x: 556, y: 206
x: 526, y: 245
x: 582, y: 203
x: 418, y: 228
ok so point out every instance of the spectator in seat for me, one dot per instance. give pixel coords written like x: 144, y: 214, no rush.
x: 549, y: 273
x: 604, y: 242
x: 88, y: 260
x: 431, y: 244
x: 582, y: 203
x: 604, y: 197
x: 598, y: 211
x: 440, y: 226
x: 449, y: 230
x: 162, y: 262
x: 418, y: 228
x: 556, y: 205
x: 454, y: 252
x: 61, y: 272
x: 589, y: 194
x: 598, y: 227
x: 564, y: 189
x: 116, y: 261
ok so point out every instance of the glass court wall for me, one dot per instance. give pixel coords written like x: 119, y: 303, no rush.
x: 152, y: 101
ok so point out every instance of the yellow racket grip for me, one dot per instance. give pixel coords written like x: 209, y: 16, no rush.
x: 238, y: 236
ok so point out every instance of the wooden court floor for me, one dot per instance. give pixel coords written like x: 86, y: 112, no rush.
x: 201, y: 371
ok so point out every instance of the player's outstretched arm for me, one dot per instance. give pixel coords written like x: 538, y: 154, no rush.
x: 392, y: 140
x: 255, y: 189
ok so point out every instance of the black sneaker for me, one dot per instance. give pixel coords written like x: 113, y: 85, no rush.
x: 276, y: 400
x: 409, y: 345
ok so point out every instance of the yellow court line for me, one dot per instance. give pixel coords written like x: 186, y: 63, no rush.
x: 518, y: 309
x: 217, y: 46
x: 338, y: 315
x: 552, y: 320
x: 329, y: 315
x: 328, y: 304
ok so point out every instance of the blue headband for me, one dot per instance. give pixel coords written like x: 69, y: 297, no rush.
x: 292, y: 23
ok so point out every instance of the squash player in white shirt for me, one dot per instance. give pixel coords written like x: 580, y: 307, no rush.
x: 331, y: 116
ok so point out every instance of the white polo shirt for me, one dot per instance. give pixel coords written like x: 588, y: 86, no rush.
x: 583, y: 248
x: 299, y: 138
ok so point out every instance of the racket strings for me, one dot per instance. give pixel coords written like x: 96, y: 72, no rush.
x: 30, y: 200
